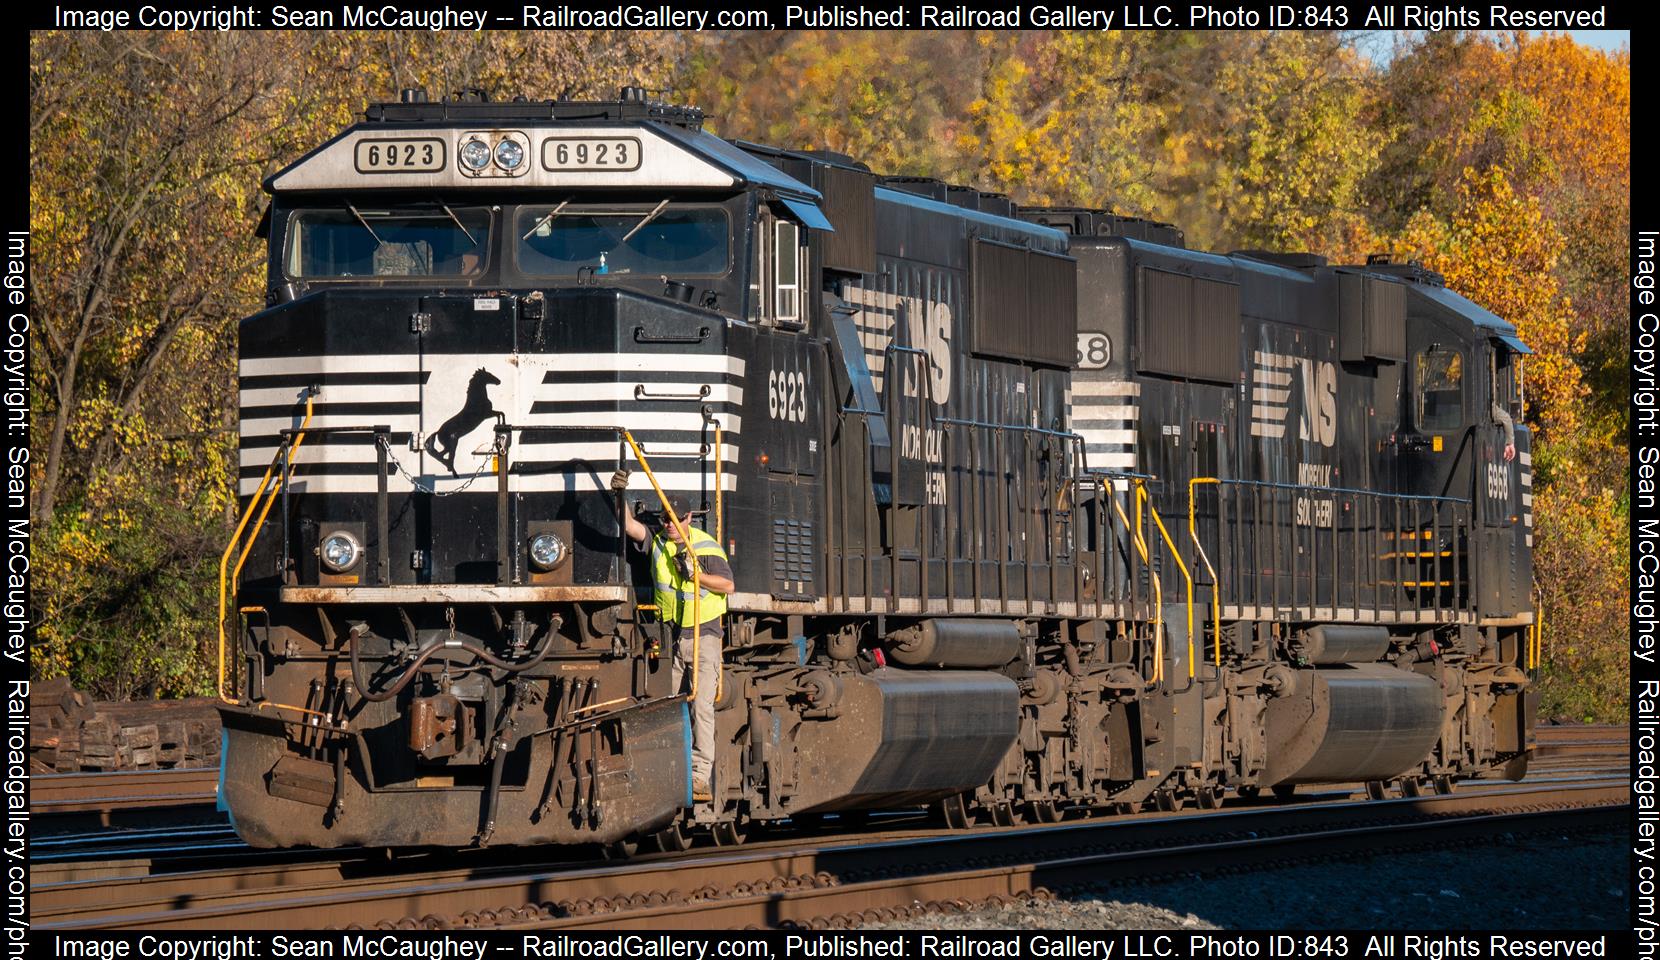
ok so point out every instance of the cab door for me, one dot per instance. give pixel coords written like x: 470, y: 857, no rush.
x: 1425, y: 553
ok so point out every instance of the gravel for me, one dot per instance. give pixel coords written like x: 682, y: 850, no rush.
x: 1528, y: 882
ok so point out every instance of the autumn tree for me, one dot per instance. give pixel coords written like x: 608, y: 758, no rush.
x: 1556, y: 117
x: 146, y: 155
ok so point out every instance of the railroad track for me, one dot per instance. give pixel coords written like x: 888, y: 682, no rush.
x: 812, y: 883
x: 1584, y: 741
x: 66, y: 802
x: 169, y: 874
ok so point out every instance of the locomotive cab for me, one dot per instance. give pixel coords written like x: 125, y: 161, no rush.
x: 477, y: 312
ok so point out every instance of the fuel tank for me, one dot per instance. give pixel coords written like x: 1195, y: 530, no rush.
x: 906, y: 737
x: 1344, y: 724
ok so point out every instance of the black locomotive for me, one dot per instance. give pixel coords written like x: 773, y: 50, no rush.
x: 1030, y: 510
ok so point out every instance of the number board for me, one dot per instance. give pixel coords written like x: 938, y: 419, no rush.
x: 1094, y: 351
x: 590, y: 153
x: 424, y: 155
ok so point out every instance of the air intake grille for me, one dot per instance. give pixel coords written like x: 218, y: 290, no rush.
x: 792, y: 557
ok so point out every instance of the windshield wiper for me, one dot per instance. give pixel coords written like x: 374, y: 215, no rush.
x: 457, y: 221
x: 365, y: 223
x: 649, y: 217
x: 545, y: 220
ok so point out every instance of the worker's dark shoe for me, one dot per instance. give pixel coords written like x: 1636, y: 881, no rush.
x: 701, y: 792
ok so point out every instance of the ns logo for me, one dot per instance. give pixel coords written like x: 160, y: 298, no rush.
x: 1283, y: 383
x: 1319, y: 421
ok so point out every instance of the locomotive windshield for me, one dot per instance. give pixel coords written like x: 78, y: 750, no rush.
x: 679, y: 241
x: 360, y: 242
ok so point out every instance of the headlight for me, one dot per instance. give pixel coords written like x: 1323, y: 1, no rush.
x: 509, y: 154
x: 546, y: 551
x: 475, y: 154
x: 339, y: 551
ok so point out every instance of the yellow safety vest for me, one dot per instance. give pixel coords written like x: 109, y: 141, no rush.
x: 673, y: 592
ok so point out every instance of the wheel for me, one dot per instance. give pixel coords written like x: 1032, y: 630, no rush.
x: 1250, y: 792
x: 1210, y: 798
x: 1284, y: 792
x: 1169, y: 801
x: 729, y: 833
x: 621, y: 849
x: 671, y: 839
x: 955, y: 812
x: 1376, y: 789
x: 1002, y: 814
x: 1445, y: 784
x: 1044, y: 811
x: 1412, y: 787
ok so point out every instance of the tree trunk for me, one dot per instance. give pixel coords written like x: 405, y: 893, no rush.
x: 45, y: 502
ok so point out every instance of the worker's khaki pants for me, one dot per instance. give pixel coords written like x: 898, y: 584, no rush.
x: 703, y: 708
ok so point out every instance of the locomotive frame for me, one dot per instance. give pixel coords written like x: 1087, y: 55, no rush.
x: 1235, y: 522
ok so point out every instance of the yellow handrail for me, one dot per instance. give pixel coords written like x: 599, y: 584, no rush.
x: 1158, y: 591
x: 1193, y: 532
x: 686, y: 539
x: 1152, y: 511
x: 236, y: 537
x: 720, y: 511
x: 227, y: 575
x: 1536, y: 635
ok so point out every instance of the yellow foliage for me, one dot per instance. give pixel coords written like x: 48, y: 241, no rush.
x: 1499, y: 250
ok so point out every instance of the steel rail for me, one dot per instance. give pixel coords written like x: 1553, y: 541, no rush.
x: 839, y: 905
x: 706, y: 884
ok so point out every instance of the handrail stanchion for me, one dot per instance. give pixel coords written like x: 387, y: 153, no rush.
x: 230, y: 548
x: 720, y: 486
x: 1193, y: 532
x: 285, y: 454
x: 1158, y: 591
x: 1175, y: 555
x: 976, y: 499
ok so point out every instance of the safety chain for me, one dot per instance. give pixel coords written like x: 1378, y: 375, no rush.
x: 423, y: 488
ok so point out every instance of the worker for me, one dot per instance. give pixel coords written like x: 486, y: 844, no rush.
x: 1507, y: 428
x: 1501, y: 403
x: 671, y: 575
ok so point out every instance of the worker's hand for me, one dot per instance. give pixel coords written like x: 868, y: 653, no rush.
x: 685, y: 565
x: 619, y: 480
x: 1509, y: 452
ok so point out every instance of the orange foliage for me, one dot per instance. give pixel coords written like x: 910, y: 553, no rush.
x: 1499, y: 250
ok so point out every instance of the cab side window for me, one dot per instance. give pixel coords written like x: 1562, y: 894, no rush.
x: 1440, y: 382
x: 1507, y: 383
x: 786, y: 272
x: 775, y: 294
